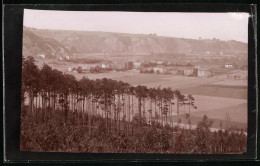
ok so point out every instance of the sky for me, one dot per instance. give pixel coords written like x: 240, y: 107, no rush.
x: 223, y: 26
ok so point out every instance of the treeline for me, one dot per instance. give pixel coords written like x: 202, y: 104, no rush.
x: 53, y: 135
x: 104, y: 115
x: 86, y: 61
x: 49, y: 89
x: 166, y: 64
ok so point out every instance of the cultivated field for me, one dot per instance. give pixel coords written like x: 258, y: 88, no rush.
x: 217, y: 108
x: 151, y: 80
x: 218, y: 91
x: 231, y: 83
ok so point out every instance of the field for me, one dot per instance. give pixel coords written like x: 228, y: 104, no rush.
x: 151, y: 80
x: 231, y: 83
x: 218, y: 91
x: 217, y: 108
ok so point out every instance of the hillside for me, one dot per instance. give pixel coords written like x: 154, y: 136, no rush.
x: 51, y: 48
x: 124, y: 44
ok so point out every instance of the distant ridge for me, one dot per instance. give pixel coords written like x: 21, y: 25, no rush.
x: 67, y: 42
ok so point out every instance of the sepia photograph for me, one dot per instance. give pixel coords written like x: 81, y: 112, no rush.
x: 134, y: 82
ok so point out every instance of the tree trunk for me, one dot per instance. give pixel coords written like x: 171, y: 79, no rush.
x: 115, y: 113
x: 155, y: 110
x: 111, y: 119
x: 83, y: 111
x: 90, y: 114
x: 178, y: 112
x: 106, y: 112
x: 129, y: 107
x: 139, y: 107
x: 144, y: 108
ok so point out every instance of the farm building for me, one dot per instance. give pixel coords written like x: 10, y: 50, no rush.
x: 188, y: 71
x: 201, y: 71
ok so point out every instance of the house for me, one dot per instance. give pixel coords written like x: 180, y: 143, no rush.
x: 158, y: 69
x: 41, y: 55
x: 137, y: 64
x: 159, y: 62
x: 173, y: 72
x: 188, y: 71
x: 105, y: 65
x: 228, y: 66
x: 203, y: 73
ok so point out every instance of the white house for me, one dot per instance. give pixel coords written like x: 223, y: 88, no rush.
x: 137, y: 64
x: 41, y: 55
x: 103, y: 65
x: 228, y: 66
x: 158, y: 69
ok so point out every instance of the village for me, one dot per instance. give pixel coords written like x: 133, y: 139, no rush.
x: 160, y: 68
